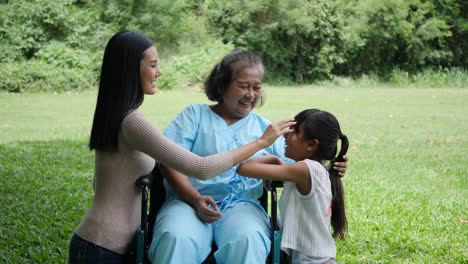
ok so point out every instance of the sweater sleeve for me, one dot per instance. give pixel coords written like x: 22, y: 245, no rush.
x: 141, y: 135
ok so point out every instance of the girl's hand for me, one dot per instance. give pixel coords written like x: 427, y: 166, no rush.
x: 207, y: 210
x: 341, y: 167
x: 275, y: 130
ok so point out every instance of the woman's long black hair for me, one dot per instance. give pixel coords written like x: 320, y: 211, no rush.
x: 120, y: 88
x: 324, y: 127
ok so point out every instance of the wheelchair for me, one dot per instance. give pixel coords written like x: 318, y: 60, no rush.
x: 153, y: 197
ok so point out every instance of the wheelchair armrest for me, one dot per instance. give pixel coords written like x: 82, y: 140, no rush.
x: 145, y: 181
x: 274, y: 184
x: 150, y: 178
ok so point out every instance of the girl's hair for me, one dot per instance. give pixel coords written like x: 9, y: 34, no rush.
x: 120, y: 88
x: 323, y: 126
x: 227, y: 70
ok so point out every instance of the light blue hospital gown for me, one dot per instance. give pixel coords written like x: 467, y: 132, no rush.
x: 243, y: 233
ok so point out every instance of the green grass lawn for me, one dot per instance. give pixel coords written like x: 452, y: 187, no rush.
x: 406, y: 187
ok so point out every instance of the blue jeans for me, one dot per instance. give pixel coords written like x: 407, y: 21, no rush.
x: 85, y: 252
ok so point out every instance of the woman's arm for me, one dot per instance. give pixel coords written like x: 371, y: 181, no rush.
x: 140, y: 134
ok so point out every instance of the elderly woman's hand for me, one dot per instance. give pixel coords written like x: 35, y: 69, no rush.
x: 207, y: 210
x: 341, y: 167
x: 275, y: 130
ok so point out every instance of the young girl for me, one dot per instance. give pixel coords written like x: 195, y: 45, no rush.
x: 312, y: 197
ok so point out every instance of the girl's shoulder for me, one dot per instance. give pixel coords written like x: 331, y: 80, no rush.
x: 317, y: 171
x: 315, y: 166
x: 320, y: 178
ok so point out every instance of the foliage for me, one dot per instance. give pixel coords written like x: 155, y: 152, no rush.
x: 189, y: 69
x: 309, y: 40
x: 26, y: 31
x: 42, y: 21
x: 454, y: 12
x: 409, y: 35
x: 50, y: 46
x: 444, y: 78
x: 164, y: 21
x: 301, y: 40
x: 455, y: 78
x: 40, y: 76
x: 61, y: 55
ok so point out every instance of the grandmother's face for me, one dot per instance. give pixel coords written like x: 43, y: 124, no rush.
x: 243, y: 93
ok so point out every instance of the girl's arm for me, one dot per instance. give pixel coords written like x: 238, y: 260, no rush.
x: 262, y: 168
x: 267, y: 159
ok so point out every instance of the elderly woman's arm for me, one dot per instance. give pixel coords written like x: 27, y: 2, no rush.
x: 206, y: 207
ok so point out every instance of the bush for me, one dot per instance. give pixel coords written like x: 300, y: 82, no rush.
x: 298, y: 39
x: 443, y: 78
x: 27, y: 27
x: 61, y: 55
x: 164, y: 21
x: 38, y: 76
x: 395, y: 34
x: 188, y: 69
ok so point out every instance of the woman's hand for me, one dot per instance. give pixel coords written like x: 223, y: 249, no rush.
x: 275, y: 130
x: 341, y: 167
x: 207, y: 210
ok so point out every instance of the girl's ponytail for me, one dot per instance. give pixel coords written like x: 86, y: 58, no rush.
x: 338, y: 217
x: 344, y: 148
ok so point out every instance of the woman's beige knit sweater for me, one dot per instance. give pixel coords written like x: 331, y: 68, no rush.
x: 114, y: 216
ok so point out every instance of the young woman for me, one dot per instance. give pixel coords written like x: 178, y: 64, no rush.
x: 126, y: 145
x: 313, y: 195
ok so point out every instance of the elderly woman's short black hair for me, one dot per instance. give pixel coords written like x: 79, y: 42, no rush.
x: 227, y: 70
